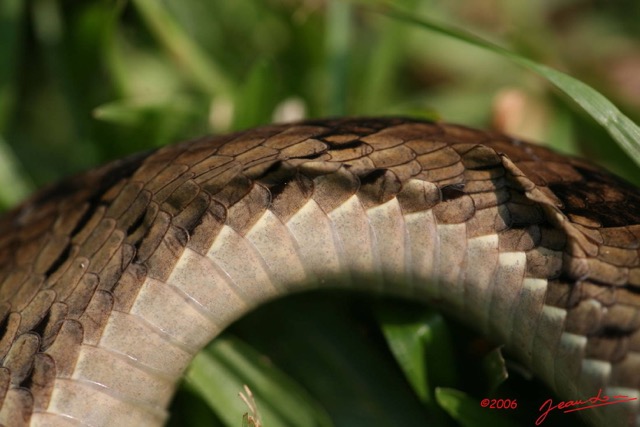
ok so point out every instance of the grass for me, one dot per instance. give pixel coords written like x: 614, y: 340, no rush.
x: 85, y: 82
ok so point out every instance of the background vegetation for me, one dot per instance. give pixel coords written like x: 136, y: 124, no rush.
x: 82, y: 82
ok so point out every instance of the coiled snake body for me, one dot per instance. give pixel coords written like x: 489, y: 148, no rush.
x: 111, y: 281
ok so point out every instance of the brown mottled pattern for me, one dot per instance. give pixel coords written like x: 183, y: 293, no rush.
x: 77, y: 255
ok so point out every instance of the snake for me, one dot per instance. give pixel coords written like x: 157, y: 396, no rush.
x: 112, y: 280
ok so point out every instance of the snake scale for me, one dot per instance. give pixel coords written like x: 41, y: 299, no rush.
x: 112, y: 280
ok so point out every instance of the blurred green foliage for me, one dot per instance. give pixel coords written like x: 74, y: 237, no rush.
x: 82, y: 82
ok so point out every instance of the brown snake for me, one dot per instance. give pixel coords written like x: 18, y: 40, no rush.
x: 112, y: 280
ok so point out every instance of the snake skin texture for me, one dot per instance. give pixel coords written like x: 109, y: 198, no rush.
x: 111, y: 281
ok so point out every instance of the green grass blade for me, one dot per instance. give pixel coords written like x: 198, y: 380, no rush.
x: 421, y: 343
x: 200, y: 66
x: 623, y: 130
x: 11, y: 12
x: 220, y: 372
x: 339, y: 21
x: 256, y: 97
x: 495, y: 369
